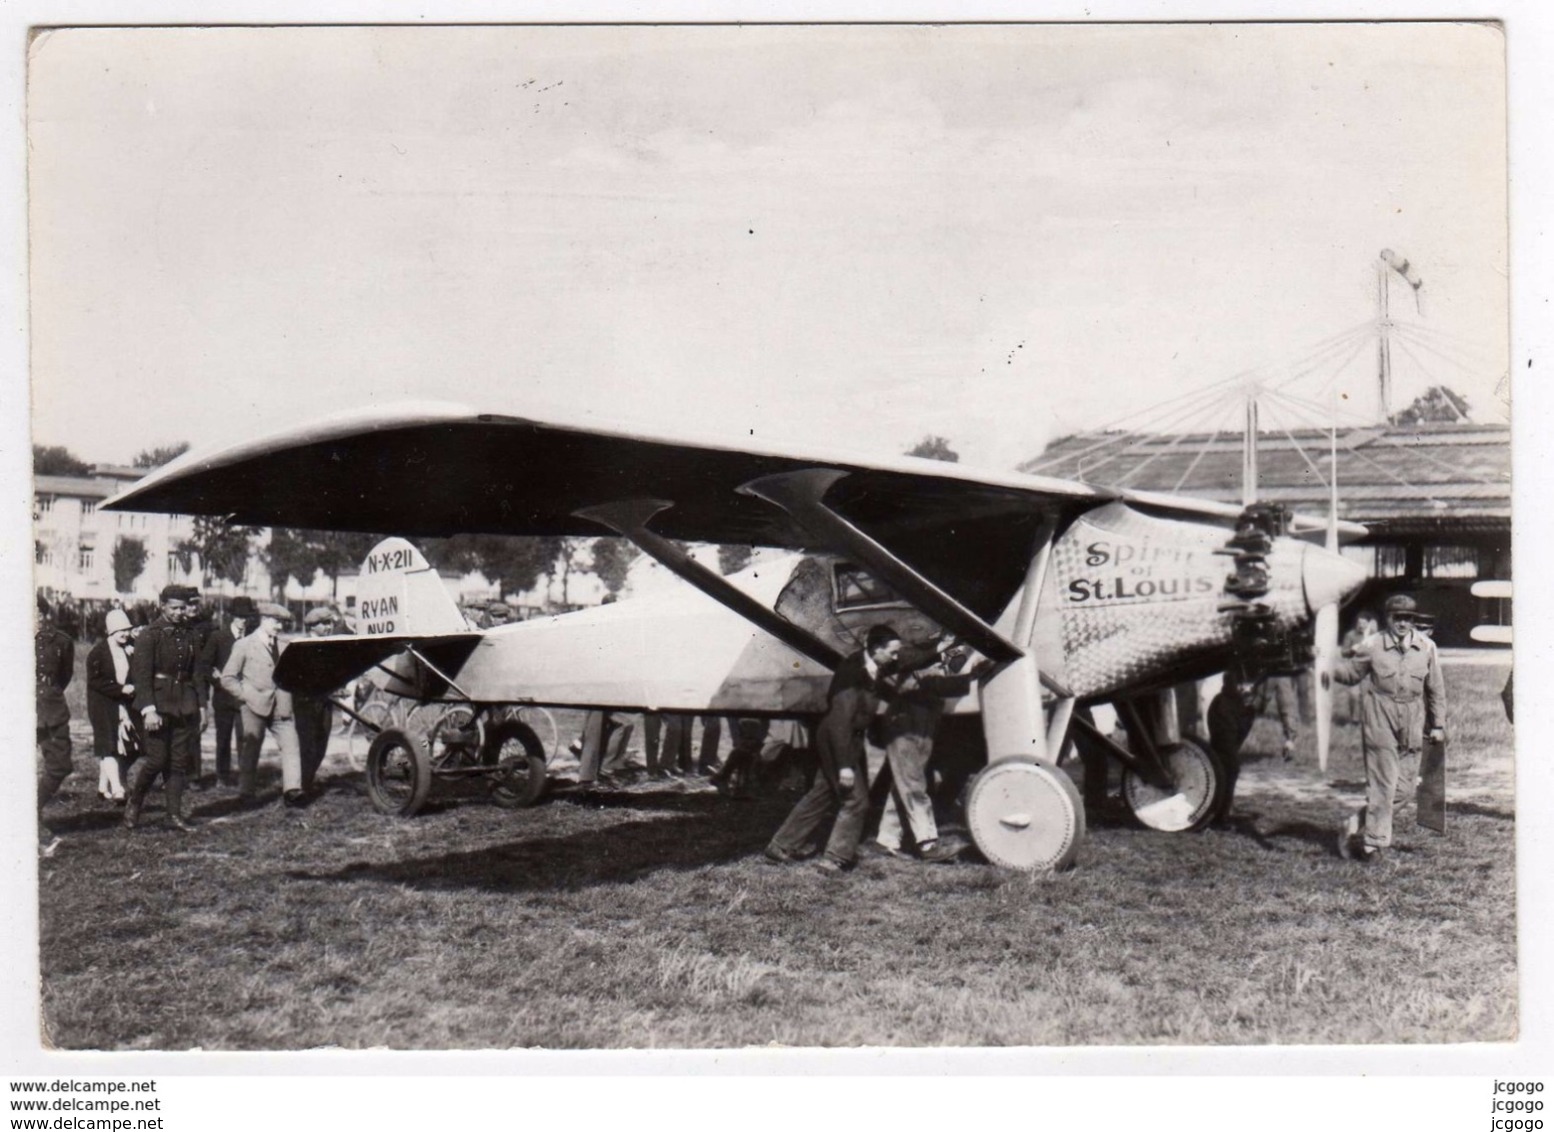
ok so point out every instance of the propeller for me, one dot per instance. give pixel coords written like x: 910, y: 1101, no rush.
x: 1262, y: 648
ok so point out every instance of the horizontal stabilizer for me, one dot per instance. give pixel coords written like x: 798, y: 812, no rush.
x: 317, y: 666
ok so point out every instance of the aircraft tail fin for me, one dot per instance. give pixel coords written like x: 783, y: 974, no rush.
x: 399, y: 594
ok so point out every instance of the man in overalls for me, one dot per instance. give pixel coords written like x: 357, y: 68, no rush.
x: 1402, y: 696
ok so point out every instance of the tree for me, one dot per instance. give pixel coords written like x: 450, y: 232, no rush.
x: 732, y: 558
x: 163, y: 454
x: 935, y: 448
x: 304, y: 554
x: 339, y: 551
x: 1436, y: 405
x: 129, y: 560
x: 566, y: 560
x: 222, y: 550
x: 515, y: 563
x: 612, y: 560
x: 290, y: 555
x: 512, y: 563
x: 57, y: 460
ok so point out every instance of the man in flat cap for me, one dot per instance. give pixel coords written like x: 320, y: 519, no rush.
x: 249, y: 677
x: 314, y: 714
x: 1402, y: 696
x: 241, y: 618
x: 169, y: 689
x: 54, y: 656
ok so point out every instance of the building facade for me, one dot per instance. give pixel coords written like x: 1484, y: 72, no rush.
x: 75, y: 541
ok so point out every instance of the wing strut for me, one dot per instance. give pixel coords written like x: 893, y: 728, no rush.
x: 800, y: 494
x: 629, y: 519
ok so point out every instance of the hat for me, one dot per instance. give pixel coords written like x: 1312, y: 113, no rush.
x: 172, y: 592
x: 319, y: 615
x: 270, y: 609
x: 241, y: 606
x: 1401, y: 603
x: 116, y: 621
x: 43, y: 605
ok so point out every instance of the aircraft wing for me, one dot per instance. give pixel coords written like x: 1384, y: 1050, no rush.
x: 432, y: 470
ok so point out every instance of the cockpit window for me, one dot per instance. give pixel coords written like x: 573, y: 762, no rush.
x: 856, y: 588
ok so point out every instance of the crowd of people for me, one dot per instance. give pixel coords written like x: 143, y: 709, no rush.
x: 153, y: 683
x: 151, y: 688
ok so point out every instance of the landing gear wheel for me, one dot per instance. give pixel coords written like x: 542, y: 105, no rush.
x: 399, y: 773
x: 1200, y: 781
x: 519, y: 776
x: 1023, y: 814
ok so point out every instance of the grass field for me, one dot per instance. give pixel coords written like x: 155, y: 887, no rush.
x: 648, y: 919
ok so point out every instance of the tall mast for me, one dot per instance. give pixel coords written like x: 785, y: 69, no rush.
x: 1249, y: 448
x: 1383, y: 343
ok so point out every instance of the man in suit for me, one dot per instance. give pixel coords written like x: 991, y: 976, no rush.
x: 249, y: 677
x: 109, y: 696
x: 314, y: 715
x: 169, y: 688
x: 224, y: 709
x: 842, y: 786
x: 54, y: 656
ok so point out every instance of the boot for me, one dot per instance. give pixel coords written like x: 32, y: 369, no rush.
x: 175, y: 814
x: 135, y: 798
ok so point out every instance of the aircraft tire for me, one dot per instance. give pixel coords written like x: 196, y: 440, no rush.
x: 1024, y: 814
x: 1202, y: 785
x: 399, y: 773
x: 513, y: 748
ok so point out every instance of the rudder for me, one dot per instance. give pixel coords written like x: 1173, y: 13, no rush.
x: 399, y: 592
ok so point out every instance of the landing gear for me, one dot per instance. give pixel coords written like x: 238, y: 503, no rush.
x: 1195, y: 796
x: 399, y: 772
x: 1023, y: 814
x: 517, y: 763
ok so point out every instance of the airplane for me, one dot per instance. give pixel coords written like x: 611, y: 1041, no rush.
x: 1078, y: 595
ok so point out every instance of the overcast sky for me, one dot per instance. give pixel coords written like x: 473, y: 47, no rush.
x: 850, y: 236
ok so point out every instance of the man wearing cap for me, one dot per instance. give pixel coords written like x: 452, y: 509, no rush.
x: 54, y: 656
x: 249, y: 677
x: 109, y: 696
x: 241, y: 618
x: 314, y: 714
x: 169, y: 688
x: 1402, y: 696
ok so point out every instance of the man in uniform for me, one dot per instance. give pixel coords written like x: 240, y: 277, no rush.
x: 842, y: 786
x: 224, y: 709
x: 54, y: 656
x: 1402, y: 696
x: 169, y: 689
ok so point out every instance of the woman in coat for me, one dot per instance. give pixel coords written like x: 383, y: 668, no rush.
x: 108, y: 697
